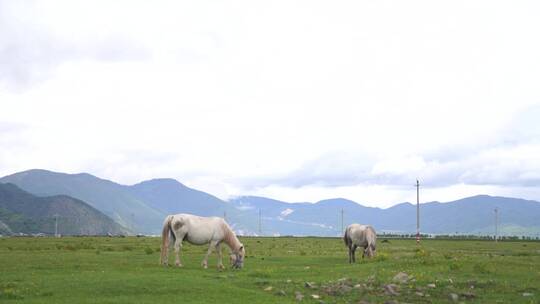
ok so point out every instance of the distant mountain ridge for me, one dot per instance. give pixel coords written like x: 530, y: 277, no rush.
x: 472, y: 215
x: 22, y: 212
x: 168, y: 195
x: 143, y: 206
x: 110, y: 198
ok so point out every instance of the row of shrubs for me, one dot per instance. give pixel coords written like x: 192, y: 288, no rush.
x: 459, y: 237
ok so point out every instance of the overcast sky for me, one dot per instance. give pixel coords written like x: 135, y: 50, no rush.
x: 294, y: 100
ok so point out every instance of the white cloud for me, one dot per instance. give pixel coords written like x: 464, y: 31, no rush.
x: 31, y: 48
x: 301, y: 100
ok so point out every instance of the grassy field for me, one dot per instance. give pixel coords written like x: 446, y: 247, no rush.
x: 277, y: 270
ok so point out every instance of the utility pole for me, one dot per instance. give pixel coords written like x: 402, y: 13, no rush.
x: 341, y: 220
x: 225, y: 215
x: 260, y: 230
x: 496, y: 224
x: 417, y: 212
x: 56, y: 225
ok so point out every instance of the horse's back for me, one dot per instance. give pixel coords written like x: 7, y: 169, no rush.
x: 195, y: 220
x: 197, y: 229
x: 361, y: 235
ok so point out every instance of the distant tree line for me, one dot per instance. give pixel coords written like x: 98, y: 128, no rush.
x: 458, y: 237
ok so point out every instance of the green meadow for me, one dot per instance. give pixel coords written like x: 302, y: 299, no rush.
x: 277, y: 270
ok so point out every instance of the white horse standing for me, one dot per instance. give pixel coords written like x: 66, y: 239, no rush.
x: 199, y: 230
x: 357, y: 235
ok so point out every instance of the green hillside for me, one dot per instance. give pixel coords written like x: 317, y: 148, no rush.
x: 108, y: 197
x: 22, y: 212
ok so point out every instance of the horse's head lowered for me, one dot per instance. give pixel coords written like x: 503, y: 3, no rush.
x: 237, y: 257
x: 370, y: 250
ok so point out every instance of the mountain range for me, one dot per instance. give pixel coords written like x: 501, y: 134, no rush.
x: 141, y: 208
x: 23, y: 212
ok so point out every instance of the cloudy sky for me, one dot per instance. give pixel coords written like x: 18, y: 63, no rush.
x: 294, y: 100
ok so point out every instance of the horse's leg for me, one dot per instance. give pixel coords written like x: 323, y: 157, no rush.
x: 220, y: 257
x: 350, y: 254
x: 177, y: 247
x: 210, y: 248
x: 165, y: 252
x: 353, y: 253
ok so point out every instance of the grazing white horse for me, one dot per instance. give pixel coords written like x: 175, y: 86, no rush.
x: 199, y: 230
x: 357, y: 235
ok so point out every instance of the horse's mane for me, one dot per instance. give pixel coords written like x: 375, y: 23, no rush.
x: 230, y: 238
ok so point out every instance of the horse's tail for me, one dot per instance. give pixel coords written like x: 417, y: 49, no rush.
x: 165, y: 238
x: 346, y: 237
